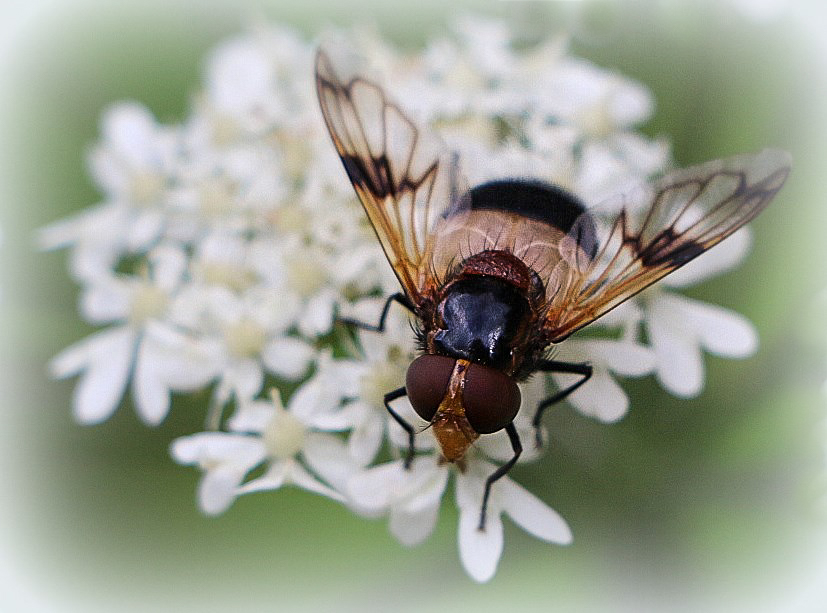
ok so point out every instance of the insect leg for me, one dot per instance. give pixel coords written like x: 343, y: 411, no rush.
x: 390, y: 397
x: 562, y: 367
x: 502, y: 470
x: 380, y: 327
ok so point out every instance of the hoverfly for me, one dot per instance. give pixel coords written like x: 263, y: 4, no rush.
x: 497, y: 274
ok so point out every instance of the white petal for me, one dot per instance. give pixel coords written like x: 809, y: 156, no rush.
x: 480, y: 551
x: 601, y: 397
x: 374, y: 489
x: 470, y: 485
x: 239, y: 77
x: 217, y: 488
x: 630, y: 103
x: 721, y: 331
x: 318, y: 314
x: 189, y: 307
x: 366, y: 439
x: 623, y: 357
x: 318, y: 402
x: 245, y: 378
x: 186, y: 449
x: 189, y: 449
x: 223, y: 304
x: 532, y: 514
x: 622, y: 316
x: 101, y: 387
x: 428, y: 487
x: 497, y: 446
x: 307, y: 401
x: 274, y: 478
x: 680, y: 367
x: 130, y: 128
x: 346, y: 375
x: 91, y: 261
x: 252, y: 416
x: 413, y: 528
x: 174, y: 352
x: 212, y: 448
x: 288, y: 357
x: 107, y: 300
x: 327, y: 456
x: 272, y: 308
x: 66, y: 232
x: 300, y: 477
x: 75, y: 358
x: 333, y: 419
x: 145, y: 229
x: 188, y: 365
x: 149, y: 388
x: 168, y: 266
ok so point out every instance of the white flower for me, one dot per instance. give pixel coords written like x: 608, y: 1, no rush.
x: 412, y: 497
x: 480, y: 550
x: 141, y: 346
x: 254, y: 82
x: 601, y: 396
x: 285, y: 439
x: 382, y: 368
x: 226, y: 245
x: 225, y: 459
x: 134, y: 166
x: 680, y: 328
x: 243, y: 333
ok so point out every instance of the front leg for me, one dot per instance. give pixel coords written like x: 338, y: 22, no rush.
x: 562, y: 367
x: 390, y: 397
x: 380, y: 327
x: 500, y: 472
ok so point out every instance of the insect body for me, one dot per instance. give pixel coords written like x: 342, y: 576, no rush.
x: 497, y: 274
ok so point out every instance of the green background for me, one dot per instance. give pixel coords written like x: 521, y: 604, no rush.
x: 701, y: 504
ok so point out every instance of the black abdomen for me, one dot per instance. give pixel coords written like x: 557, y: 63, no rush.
x: 529, y: 198
x: 537, y: 200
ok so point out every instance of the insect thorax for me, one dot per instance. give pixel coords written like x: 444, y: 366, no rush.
x: 485, y: 311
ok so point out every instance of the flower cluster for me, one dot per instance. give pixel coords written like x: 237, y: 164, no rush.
x: 225, y: 246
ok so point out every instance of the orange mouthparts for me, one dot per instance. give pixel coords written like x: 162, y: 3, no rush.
x: 451, y: 427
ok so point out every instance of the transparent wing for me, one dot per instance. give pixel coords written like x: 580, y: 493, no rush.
x: 689, y: 211
x: 406, y: 179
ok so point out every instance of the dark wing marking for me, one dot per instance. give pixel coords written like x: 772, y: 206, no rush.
x: 405, y: 179
x: 689, y: 211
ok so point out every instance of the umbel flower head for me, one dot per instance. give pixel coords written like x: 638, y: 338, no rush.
x: 225, y: 245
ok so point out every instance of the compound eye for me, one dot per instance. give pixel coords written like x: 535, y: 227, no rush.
x: 491, y: 399
x: 427, y: 382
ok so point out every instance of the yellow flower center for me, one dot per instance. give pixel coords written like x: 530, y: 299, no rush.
x: 381, y: 378
x: 148, y: 301
x: 216, y: 196
x: 305, y: 274
x: 284, y: 435
x: 233, y: 276
x: 244, y: 338
x: 290, y: 219
x: 146, y: 188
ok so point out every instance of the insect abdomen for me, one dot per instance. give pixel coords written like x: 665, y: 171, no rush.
x: 532, y: 199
